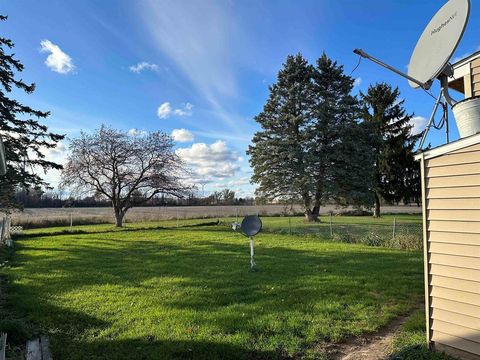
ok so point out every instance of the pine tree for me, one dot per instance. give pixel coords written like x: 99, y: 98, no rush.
x: 340, y: 153
x: 396, y: 173
x: 25, y: 138
x: 310, y: 145
x: 277, y: 155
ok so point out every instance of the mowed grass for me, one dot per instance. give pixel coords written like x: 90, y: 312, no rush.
x: 162, y: 293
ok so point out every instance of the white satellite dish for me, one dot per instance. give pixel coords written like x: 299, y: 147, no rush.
x: 431, y: 56
x: 438, y: 42
x: 3, y: 160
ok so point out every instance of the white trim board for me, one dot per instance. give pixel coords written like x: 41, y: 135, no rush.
x: 453, y: 146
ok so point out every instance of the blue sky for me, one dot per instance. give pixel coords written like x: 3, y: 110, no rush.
x: 200, y: 69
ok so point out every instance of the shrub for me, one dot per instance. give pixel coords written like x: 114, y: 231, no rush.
x: 344, y: 238
x: 406, y: 242
x: 373, y: 239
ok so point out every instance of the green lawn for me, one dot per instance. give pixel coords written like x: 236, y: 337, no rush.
x: 157, y: 293
x: 410, y: 344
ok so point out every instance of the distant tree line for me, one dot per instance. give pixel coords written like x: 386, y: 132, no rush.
x: 56, y: 199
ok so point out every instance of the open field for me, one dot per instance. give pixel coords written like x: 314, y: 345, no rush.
x: 61, y: 216
x: 150, y: 292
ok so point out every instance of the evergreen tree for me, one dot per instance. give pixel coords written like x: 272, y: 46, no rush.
x: 25, y: 138
x: 396, y: 173
x: 340, y: 154
x: 277, y: 155
x: 310, y: 145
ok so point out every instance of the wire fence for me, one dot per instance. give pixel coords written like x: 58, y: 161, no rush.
x: 399, y: 234
x: 48, y: 217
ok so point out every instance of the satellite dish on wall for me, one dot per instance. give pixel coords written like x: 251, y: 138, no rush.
x: 251, y: 225
x: 3, y: 160
x: 438, y: 42
x: 430, y: 60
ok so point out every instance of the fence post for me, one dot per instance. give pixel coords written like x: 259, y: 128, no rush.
x: 331, y: 228
x: 394, y: 226
x: 71, y: 221
x: 290, y: 225
x: 8, y: 222
x: 2, y: 232
x: 177, y: 218
x: 3, y: 345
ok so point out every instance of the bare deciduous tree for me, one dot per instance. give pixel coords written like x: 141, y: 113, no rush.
x: 128, y: 170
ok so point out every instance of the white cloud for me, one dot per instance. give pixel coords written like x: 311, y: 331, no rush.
x: 57, y: 155
x: 57, y: 60
x: 141, y: 66
x: 419, y: 123
x: 165, y: 110
x: 210, y: 161
x: 202, y: 50
x: 136, y: 132
x: 186, y: 111
x: 182, y: 135
x: 357, y: 82
x: 232, y: 183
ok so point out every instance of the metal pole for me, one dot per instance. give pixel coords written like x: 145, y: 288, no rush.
x: 331, y: 228
x: 381, y: 63
x: 252, y: 254
x: 71, y: 220
x: 394, y: 226
x: 289, y: 225
x: 447, y: 130
x: 430, y: 122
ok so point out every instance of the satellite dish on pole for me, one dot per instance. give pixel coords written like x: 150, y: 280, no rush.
x: 251, y: 226
x: 431, y: 56
x: 438, y: 42
x: 3, y: 160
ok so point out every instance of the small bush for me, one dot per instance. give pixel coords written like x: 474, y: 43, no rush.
x: 354, y: 212
x: 344, y: 238
x: 406, y: 242
x: 373, y: 239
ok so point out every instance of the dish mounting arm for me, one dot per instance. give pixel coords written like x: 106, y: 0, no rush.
x: 363, y: 54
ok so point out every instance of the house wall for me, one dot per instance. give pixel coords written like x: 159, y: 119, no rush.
x: 475, y: 64
x: 452, y: 241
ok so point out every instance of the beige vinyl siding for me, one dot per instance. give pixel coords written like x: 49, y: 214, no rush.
x: 452, y: 211
x: 454, y: 181
x: 453, y: 204
x: 472, y: 148
x: 475, y: 77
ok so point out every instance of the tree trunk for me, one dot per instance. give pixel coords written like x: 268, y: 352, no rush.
x: 376, y: 212
x: 119, y: 218
x: 312, y: 215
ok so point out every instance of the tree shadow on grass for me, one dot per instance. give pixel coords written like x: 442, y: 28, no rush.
x: 151, y: 349
x: 326, y: 291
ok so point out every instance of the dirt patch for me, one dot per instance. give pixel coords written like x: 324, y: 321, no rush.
x: 377, y: 346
